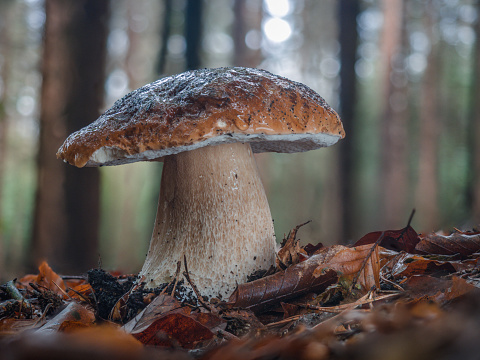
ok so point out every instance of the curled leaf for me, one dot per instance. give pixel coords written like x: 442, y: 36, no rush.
x: 464, y: 244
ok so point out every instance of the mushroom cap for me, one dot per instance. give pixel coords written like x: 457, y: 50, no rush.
x: 206, y: 107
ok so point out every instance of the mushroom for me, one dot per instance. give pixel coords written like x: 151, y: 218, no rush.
x: 204, y: 125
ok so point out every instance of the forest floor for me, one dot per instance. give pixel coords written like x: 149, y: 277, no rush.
x: 393, y: 294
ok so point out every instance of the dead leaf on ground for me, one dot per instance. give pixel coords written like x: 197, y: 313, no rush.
x: 464, y: 244
x: 164, y: 322
x: 421, y: 287
x: 350, y: 261
x: 74, y: 316
x: 406, y: 265
x: 46, y: 278
x: 398, y: 240
x: 295, y: 281
x: 312, y: 275
x: 290, y: 253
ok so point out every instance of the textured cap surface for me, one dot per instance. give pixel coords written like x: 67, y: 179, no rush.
x: 206, y: 107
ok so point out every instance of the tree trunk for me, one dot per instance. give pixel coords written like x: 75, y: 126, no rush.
x: 347, y: 14
x: 393, y: 212
x: 166, y: 25
x: 193, y: 33
x: 248, y: 17
x: 427, y: 187
x: 67, y: 201
x: 474, y: 133
x: 5, y: 23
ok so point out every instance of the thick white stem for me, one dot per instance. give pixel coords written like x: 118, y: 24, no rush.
x: 212, y: 209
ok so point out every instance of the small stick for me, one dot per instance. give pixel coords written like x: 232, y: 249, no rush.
x: 187, y: 276
x: 12, y: 290
x: 76, y: 292
x: 61, y: 290
x: 41, y: 318
x: 73, y: 277
x: 284, y: 321
x: 174, y: 279
x: 392, y: 283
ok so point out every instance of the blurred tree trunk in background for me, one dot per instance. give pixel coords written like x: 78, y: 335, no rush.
x: 394, y: 169
x: 5, y: 23
x: 248, y: 17
x: 473, y: 188
x: 165, y: 35
x: 347, y: 15
x: 427, y: 187
x: 193, y: 33
x: 67, y: 202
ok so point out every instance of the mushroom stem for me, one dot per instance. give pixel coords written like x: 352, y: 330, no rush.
x: 212, y: 209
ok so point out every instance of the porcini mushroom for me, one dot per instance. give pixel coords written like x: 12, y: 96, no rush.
x: 204, y: 125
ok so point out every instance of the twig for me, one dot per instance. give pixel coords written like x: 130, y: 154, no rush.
x: 49, y: 305
x: 404, y: 230
x: 12, y: 290
x: 357, y: 275
x: 284, y: 321
x: 187, y: 276
x: 392, y: 283
x: 73, y: 277
x: 366, y: 299
x: 61, y: 290
x: 293, y: 234
x: 79, y: 294
x: 179, y: 264
x: 177, y: 278
x: 226, y: 335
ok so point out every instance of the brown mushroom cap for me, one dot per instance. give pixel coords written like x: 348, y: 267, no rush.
x: 206, y: 107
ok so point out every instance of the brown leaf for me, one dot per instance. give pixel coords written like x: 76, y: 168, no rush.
x: 162, y: 304
x: 46, y: 278
x: 98, y: 342
x: 294, y: 281
x: 9, y: 326
x: 464, y: 244
x: 175, y: 329
x: 437, y: 289
x: 311, y: 249
x: 398, y: 240
x: 164, y: 322
x: 350, y: 261
x: 406, y: 265
x: 73, y: 313
x: 290, y: 253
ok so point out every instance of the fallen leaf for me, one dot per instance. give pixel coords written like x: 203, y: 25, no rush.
x: 46, y: 278
x: 290, y: 252
x: 398, y: 240
x: 74, y: 313
x: 174, y: 329
x: 350, y: 262
x: 406, y: 265
x: 93, y: 343
x: 294, y: 281
x: 164, y: 322
x: 464, y: 244
x: 162, y: 304
x: 439, y: 290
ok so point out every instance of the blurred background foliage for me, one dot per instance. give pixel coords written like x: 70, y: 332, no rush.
x: 402, y: 73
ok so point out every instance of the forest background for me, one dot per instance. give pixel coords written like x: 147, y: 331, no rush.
x: 403, y: 74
